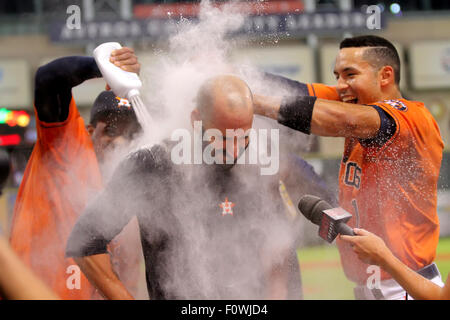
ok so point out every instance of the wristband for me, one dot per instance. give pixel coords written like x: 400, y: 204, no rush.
x: 296, y: 113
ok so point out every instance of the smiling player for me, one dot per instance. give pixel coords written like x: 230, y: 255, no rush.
x: 391, y: 161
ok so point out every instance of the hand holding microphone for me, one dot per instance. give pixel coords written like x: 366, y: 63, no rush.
x: 369, y: 248
x: 331, y: 221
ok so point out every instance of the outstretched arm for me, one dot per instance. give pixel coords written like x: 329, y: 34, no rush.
x: 17, y: 281
x: 269, y: 105
x: 321, y: 117
x: 372, y: 249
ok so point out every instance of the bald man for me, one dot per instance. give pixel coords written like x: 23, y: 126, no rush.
x: 226, y: 103
x: 205, y: 232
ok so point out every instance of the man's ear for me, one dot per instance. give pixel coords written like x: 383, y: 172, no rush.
x: 90, y: 128
x: 195, y: 116
x: 387, y: 75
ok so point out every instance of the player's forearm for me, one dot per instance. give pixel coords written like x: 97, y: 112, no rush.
x: 417, y: 286
x: 326, y: 117
x: 266, y: 106
x: 294, y: 87
x: 17, y: 281
x: 98, y: 270
x: 319, y: 116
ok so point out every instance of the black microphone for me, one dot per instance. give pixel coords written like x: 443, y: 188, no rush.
x: 331, y: 221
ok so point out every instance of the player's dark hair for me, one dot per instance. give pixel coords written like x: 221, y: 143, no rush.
x: 113, y: 111
x: 381, y: 52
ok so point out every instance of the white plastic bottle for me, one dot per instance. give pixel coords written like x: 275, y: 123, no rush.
x: 124, y: 84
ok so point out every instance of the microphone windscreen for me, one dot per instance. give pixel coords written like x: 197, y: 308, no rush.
x: 312, y: 208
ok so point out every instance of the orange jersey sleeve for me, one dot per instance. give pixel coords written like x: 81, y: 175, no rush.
x: 323, y: 91
x: 62, y: 175
x: 391, y: 190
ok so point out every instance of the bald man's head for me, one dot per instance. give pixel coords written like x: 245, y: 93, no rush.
x: 225, y: 102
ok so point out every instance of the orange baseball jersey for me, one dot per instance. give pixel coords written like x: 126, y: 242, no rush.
x: 323, y: 91
x: 391, y: 189
x: 62, y: 175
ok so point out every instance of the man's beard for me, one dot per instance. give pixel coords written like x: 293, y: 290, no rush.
x: 227, y: 165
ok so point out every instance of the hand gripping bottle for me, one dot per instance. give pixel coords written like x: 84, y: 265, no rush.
x: 124, y: 84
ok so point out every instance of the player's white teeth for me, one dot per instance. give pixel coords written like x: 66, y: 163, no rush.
x: 350, y: 100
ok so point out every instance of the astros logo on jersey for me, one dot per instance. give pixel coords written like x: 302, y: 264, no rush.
x: 227, y: 207
x: 123, y: 103
x: 397, y: 104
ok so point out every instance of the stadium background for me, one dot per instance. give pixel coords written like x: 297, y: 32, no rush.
x: 33, y: 32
